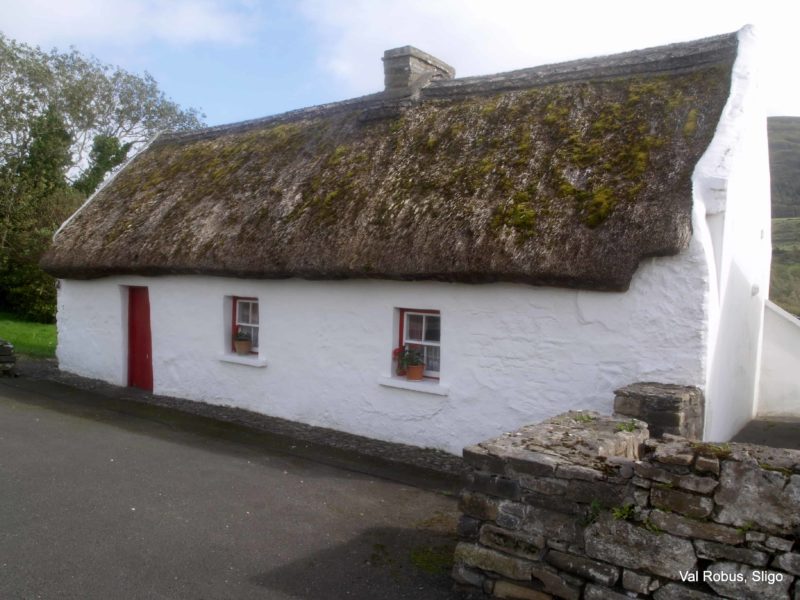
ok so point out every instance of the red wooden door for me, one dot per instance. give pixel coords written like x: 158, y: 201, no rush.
x: 140, y: 361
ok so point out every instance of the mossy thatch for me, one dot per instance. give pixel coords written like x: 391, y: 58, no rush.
x: 569, y: 183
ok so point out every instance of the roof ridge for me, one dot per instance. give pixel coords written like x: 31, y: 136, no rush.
x: 681, y: 56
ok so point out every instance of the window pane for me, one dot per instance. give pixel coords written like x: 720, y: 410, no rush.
x: 414, y: 327
x: 243, y: 312
x: 252, y: 332
x: 431, y: 329
x: 254, y: 313
x: 432, y: 358
x: 254, y: 335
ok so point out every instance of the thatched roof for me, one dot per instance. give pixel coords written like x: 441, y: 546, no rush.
x: 561, y: 175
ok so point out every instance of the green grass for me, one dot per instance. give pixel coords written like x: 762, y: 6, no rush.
x: 32, y: 339
x: 785, y: 277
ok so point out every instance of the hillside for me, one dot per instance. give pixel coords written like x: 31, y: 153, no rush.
x: 784, y: 159
x: 784, y: 156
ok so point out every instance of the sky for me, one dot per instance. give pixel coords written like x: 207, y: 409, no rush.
x: 243, y: 59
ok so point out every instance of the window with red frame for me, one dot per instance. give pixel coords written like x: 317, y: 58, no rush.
x: 245, y: 319
x: 420, y: 330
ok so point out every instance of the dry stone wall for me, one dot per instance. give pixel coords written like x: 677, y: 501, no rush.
x: 8, y: 360
x: 586, y: 506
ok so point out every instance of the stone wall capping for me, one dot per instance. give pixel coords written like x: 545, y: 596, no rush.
x: 572, y: 508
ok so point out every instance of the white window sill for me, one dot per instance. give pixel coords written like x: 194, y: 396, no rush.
x: 426, y: 386
x: 251, y: 360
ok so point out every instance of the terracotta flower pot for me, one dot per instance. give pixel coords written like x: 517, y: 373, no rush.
x: 414, y: 372
x: 242, y: 347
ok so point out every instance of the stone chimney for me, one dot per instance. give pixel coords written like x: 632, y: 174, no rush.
x: 406, y: 70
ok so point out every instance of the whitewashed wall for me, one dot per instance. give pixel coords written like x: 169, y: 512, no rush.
x: 512, y: 354
x: 732, y: 183
x: 779, y: 388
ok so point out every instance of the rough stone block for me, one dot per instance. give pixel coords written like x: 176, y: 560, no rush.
x: 665, y: 408
x: 529, y: 546
x: 780, y: 544
x: 789, y: 562
x: 478, y: 506
x: 486, y: 559
x: 673, y: 591
x: 707, y: 464
x: 544, y: 485
x: 735, y: 580
x: 608, y: 494
x: 568, y: 471
x: 552, y: 525
x: 684, y: 503
x: 513, y: 508
x: 749, y: 495
x: 584, y: 567
x: 715, y: 551
x: 641, y: 498
x: 468, y: 527
x: 493, y: 485
x: 555, y: 583
x: 512, y: 591
x: 696, y: 529
x: 534, y: 463
x: 554, y: 503
x: 466, y: 576
x: 623, y: 543
x: 755, y: 536
x: 674, y: 452
x: 598, y: 592
x: 481, y: 459
x: 693, y: 483
x: 636, y: 582
x: 508, y: 521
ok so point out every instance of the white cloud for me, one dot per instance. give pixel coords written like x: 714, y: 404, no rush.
x: 479, y: 37
x: 128, y: 22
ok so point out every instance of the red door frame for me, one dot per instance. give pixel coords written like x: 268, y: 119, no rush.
x: 140, y: 355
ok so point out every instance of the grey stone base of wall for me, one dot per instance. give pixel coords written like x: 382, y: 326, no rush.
x: 666, y: 408
x: 586, y: 506
x: 8, y: 360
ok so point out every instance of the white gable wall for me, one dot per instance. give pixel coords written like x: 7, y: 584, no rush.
x: 732, y: 184
x: 779, y: 386
x: 512, y: 354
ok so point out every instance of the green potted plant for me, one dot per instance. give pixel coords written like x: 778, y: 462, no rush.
x: 410, y: 362
x: 242, y: 342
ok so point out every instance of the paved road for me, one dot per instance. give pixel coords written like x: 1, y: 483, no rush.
x: 95, y: 503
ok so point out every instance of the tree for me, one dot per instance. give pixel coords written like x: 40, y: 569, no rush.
x: 107, y: 153
x: 66, y: 121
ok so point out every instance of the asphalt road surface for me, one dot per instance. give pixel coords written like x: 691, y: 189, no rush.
x: 95, y: 503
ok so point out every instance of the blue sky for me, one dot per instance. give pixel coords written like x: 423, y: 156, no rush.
x: 243, y: 59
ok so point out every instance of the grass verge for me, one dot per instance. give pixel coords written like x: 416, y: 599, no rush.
x: 32, y: 339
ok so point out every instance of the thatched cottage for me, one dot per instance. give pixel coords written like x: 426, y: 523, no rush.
x: 542, y: 237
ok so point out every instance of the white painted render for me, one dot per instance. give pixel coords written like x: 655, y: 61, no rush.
x: 731, y: 182
x: 779, y: 393
x: 512, y: 354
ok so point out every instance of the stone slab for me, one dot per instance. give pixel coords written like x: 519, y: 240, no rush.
x: 623, y: 543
